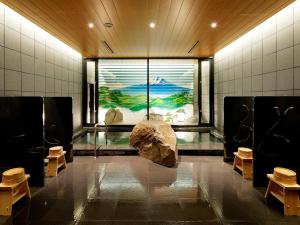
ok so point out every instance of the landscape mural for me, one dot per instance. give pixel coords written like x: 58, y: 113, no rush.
x: 170, y: 97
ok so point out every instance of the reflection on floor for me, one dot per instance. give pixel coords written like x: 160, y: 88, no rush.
x: 134, y: 191
x: 188, y: 142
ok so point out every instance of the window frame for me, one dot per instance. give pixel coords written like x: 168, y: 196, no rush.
x: 128, y: 127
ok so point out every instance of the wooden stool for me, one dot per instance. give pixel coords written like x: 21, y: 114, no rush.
x: 243, y: 161
x: 283, y: 186
x: 14, y: 186
x: 56, y: 159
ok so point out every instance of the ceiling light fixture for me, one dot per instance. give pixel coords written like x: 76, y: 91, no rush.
x: 108, y: 25
x: 213, y: 24
x: 91, y: 25
x: 152, y: 25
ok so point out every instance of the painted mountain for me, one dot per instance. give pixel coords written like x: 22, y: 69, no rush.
x: 163, y: 94
x: 158, y: 87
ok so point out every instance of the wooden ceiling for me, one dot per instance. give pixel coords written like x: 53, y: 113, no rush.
x: 179, y: 24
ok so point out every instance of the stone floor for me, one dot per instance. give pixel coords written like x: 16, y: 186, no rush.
x: 129, y: 190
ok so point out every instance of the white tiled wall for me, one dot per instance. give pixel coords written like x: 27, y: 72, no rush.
x: 34, y: 63
x: 263, y: 62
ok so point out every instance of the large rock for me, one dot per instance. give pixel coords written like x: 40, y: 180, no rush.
x: 113, y: 116
x: 155, y: 140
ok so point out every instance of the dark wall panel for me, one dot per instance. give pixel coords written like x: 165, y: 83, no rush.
x: 59, y: 123
x: 276, y: 136
x: 238, y: 128
x: 21, y: 134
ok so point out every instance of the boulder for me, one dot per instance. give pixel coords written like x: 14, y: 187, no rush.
x: 113, y: 116
x: 155, y: 140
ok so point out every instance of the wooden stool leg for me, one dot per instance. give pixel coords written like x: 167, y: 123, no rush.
x: 52, y: 167
x: 6, y: 203
x: 247, y: 169
x: 268, y: 189
x: 64, y: 162
x: 234, y: 162
x: 27, y: 189
x: 291, y: 203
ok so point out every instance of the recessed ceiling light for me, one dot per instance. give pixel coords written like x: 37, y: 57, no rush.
x: 91, y: 25
x: 152, y: 24
x: 213, y: 24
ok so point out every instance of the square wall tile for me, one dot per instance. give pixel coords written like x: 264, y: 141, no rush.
x: 27, y: 28
x: 246, y: 69
x: 257, y: 34
x: 50, y: 70
x: 12, y: 39
x: 269, y: 93
x: 296, y: 92
x: 257, y: 83
x: 71, y: 88
x: 247, y: 86
x: 284, y: 93
x: 57, y: 72
x: 50, y: 85
x: 1, y: 57
x: 285, y: 58
x: 49, y: 55
x: 297, y: 33
x: 296, y: 11
x: 257, y: 50
x: 27, y: 64
x: 39, y: 84
x: 285, y: 17
x: 257, y: 93
x: 1, y: 34
x: 27, y: 45
x: 28, y: 93
x: 296, y: 55
x: 40, y: 35
x: 269, y: 26
x: 230, y: 74
x: 65, y: 87
x: 1, y: 13
x: 71, y: 75
x: 269, y: 63
x: 12, y: 60
x: 1, y: 79
x: 12, y: 19
x: 269, y: 82
x: 285, y: 79
x: 12, y: 93
x: 285, y: 38
x: 297, y: 78
x: 269, y: 44
x: 40, y: 67
x: 27, y: 82
x: 238, y: 58
x: 257, y: 66
x: 12, y: 80
x: 57, y: 86
x: 246, y: 55
x: 40, y: 50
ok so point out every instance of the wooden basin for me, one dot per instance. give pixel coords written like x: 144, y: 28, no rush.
x: 245, y: 152
x: 56, y: 151
x: 13, y: 176
x: 285, y: 176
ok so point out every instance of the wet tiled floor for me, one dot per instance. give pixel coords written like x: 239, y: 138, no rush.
x: 129, y: 190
